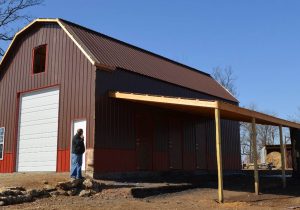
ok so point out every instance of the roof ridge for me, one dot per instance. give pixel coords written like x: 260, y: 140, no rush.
x: 137, y: 48
x: 186, y: 71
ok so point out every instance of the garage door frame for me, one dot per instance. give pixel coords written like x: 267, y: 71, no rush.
x: 18, y: 118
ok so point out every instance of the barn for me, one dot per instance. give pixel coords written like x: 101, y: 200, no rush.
x: 56, y: 76
x: 140, y: 111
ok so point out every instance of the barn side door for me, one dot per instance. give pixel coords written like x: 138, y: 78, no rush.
x: 144, y: 141
x: 76, y: 124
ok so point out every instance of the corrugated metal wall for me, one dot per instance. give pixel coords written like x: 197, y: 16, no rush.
x: 189, y: 144
x: 180, y: 141
x: 175, y: 143
x: 201, y: 146
x: 161, y: 142
x: 66, y: 67
x: 295, y: 139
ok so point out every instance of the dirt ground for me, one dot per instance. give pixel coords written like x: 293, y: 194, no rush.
x: 184, y: 193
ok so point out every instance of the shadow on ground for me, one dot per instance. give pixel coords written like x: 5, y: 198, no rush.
x: 172, y: 182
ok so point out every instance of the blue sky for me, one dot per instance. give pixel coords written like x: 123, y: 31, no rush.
x: 260, y: 40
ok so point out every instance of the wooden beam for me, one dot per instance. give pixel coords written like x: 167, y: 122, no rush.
x: 229, y: 111
x: 282, y: 152
x: 219, y: 155
x: 261, y: 118
x: 254, y: 151
x: 164, y: 99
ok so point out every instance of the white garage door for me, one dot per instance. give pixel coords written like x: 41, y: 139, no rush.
x: 38, y: 126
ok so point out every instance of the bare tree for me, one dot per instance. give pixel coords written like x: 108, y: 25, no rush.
x: 246, y: 136
x: 265, y: 135
x: 246, y: 145
x: 226, y: 78
x: 12, y: 15
x: 296, y: 116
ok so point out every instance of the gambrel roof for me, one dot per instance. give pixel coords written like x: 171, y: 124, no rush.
x: 108, y: 53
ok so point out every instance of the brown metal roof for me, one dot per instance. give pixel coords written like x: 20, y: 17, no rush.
x: 104, y: 51
x: 111, y: 52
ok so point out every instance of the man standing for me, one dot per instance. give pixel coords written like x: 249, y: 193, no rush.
x: 78, y: 149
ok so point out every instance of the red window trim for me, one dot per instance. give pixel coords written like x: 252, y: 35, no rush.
x: 32, y: 62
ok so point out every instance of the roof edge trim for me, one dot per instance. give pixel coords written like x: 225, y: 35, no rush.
x: 60, y: 23
x: 226, y: 90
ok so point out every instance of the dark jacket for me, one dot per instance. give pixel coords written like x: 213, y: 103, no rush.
x: 78, y: 147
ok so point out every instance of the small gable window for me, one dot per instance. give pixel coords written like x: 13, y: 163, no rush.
x: 39, y: 59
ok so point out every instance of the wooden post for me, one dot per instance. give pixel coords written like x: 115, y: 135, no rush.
x: 282, y: 157
x: 219, y: 155
x: 254, y: 150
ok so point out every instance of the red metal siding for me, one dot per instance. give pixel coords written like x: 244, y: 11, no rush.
x: 231, y: 158
x: 230, y: 131
x: 115, y: 124
x: 114, y: 160
x: 6, y: 165
x: 211, y: 163
x: 66, y: 67
x: 175, y: 143
x: 189, y: 145
x: 144, y: 141
x: 63, y: 160
x: 295, y: 139
x: 161, y: 143
x: 201, y: 145
x: 192, y: 137
x: 160, y: 161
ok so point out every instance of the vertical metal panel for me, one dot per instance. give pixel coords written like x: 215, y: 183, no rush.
x: 115, y: 124
x: 211, y: 144
x: 161, y: 142
x: 201, y: 145
x: 175, y: 143
x: 231, y: 145
x: 144, y: 141
x: 189, y: 144
x: 295, y: 138
x: 63, y: 160
x: 114, y: 160
x: 6, y: 165
x: 115, y: 116
x: 66, y: 67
